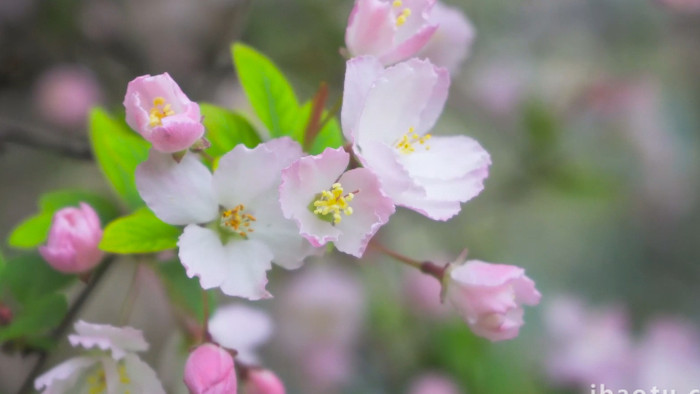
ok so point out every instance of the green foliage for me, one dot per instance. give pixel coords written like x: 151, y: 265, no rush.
x: 34, y: 230
x: 36, y: 317
x: 268, y: 91
x: 226, y: 129
x: 28, y: 277
x: 140, y: 232
x: 118, y: 151
x: 183, y: 291
x: 330, y: 135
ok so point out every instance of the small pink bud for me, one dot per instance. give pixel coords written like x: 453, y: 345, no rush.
x: 209, y: 370
x: 65, y: 94
x: 263, y: 381
x: 73, y: 241
x: 489, y: 297
x: 157, y: 109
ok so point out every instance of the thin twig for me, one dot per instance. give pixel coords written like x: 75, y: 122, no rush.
x: 397, y: 256
x: 60, y: 331
x: 15, y: 133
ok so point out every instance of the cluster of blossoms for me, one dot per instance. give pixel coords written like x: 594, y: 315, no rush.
x: 274, y: 203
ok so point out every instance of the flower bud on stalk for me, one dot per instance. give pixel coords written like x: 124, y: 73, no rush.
x: 73, y: 241
x: 263, y: 381
x: 210, y: 370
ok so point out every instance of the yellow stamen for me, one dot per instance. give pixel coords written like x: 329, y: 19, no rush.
x: 237, y: 221
x: 406, y: 143
x: 397, y: 3
x: 401, y: 18
x: 159, y: 111
x: 333, y: 202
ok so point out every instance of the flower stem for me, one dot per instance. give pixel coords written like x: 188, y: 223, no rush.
x: 397, y: 256
x: 131, y: 296
x: 72, y: 313
x: 205, y: 316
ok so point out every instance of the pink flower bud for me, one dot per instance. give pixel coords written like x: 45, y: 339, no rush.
x: 490, y: 297
x: 209, y: 370
x: 433, y: 383
x: 263, y: 381
x: 65, y: 94
x: 157, y: 108
x: 73, y: 239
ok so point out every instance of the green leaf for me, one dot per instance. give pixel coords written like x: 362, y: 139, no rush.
x: 268, y: 91
x: 118, y: 151
x: 226, y: 129
x: 34, y: 230
x: 140, y: 232
x: 183, y: 291
x: 330, y: 135
x: 36, y: 317
x: 29, y: 277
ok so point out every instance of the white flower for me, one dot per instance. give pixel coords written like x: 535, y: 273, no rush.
x: 120, y: 372
x: 244, y: 230
x: 242, y: 329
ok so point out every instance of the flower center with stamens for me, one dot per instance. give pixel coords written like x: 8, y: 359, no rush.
x: 403, y: 15
x: 237, y: 221
x: 159, y: 111
x: 329, y: 204
x: 406, y: 144
x: 97, y: 382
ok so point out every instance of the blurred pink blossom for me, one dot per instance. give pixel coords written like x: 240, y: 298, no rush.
x: 588, y: 347
x: 391, y: 30
x: 433, y: 383
x: 75, y: 234
x: 452, y: 41
x: 263, y: 381
x: 331, y: 205
x: 422, y: 294
x: 489, y: 297
x: 689, y: 6
x: 209, y: 370
x: 157, y: 109
x: 65, y: 94
x: 241, y: 328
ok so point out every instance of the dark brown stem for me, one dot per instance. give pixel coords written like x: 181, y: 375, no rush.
x: 15, y: 133
x: 68, y: 319
x: 397, y: 256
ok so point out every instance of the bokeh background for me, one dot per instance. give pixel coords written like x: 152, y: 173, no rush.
x: 589, y: 109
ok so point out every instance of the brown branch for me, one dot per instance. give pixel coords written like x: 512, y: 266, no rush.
x: 15, y: 133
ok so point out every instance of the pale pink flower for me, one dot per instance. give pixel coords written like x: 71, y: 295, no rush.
x: 65, y: 95
x: 422, y: 294
x: 669, y: 356
x: 263, y: 381
x: 587, y: 346
x: 75, y: 234
x: 391, y: 30
x: 387, y: 113
x: 489, y: 297
x: 433, y: 383
x: 115, y: 369
x: 331, y: 205
x: 210, y: 370
x: 452, y: 41
x: 157, y: 109
x: 240, y: 201
x: 241, y: 328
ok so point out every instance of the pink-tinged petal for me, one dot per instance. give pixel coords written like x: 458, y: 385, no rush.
x: 410, y: 46
x: 452, y: 41
x: 383, y: 160
x: 434, y: 209
x: 447, y: 158
x: 241, y: 328
x: 238, y: 267
x: 178, y: 128
x: 245, y: 175
x: 281, y: 235
x: 62, y: 377
x: 360, y: 75
x: 209, y: 370
x: 371, y: 210
x: 489, y: 297
x: 118, y: 340
x: 396, y: 102
x: 263, y: 381
x: 436, y: 101
x: 371, y: 28
x: 178, y: 193
x: 301, y: 182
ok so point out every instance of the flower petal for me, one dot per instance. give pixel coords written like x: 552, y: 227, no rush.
x: 245, y: 175
x: 142, y: 378
x: 360, y: 74
x: 371, y: 28
x: 238, y: 267
x: 448, y: 158
x: 178, y: 193
x: 118, y: 340
x: 241, y: 328
x: 410, y: 46
x: 64, y: 375
x: 452, y: 41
